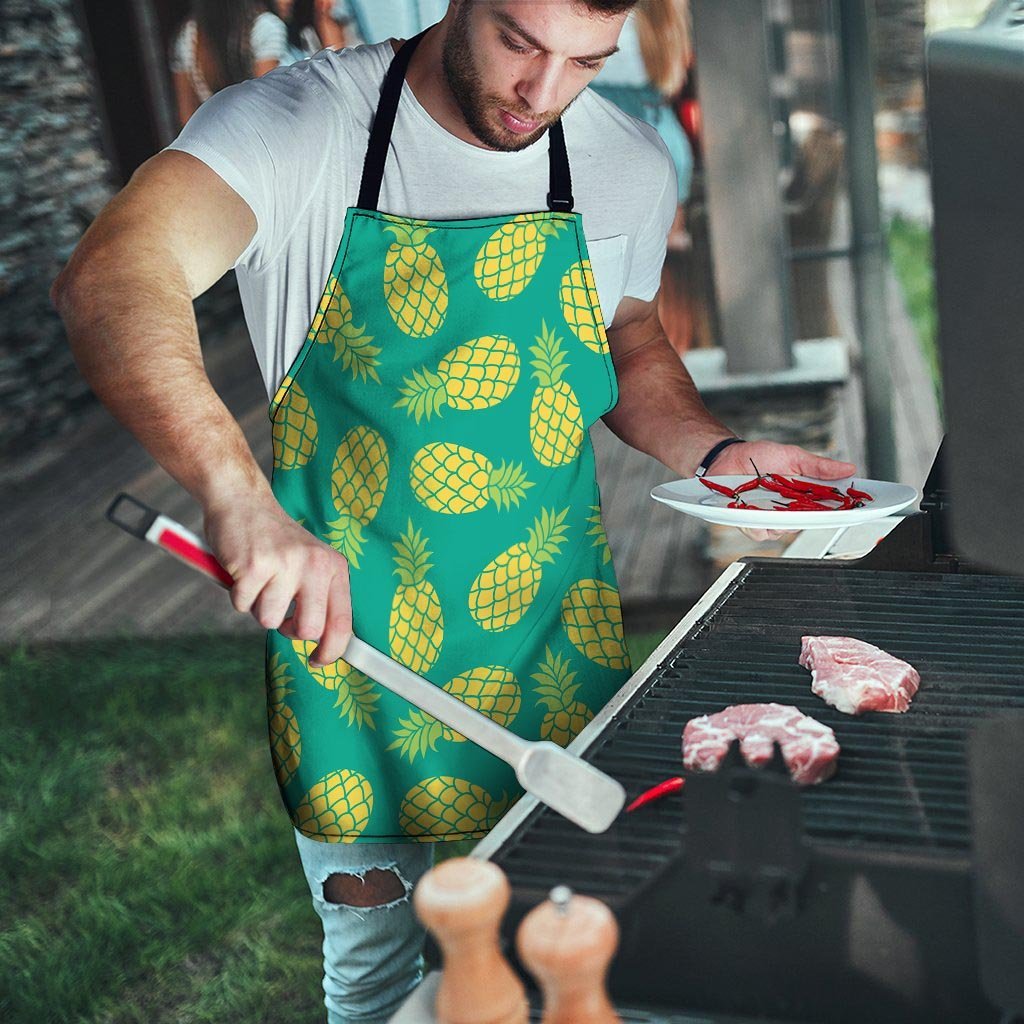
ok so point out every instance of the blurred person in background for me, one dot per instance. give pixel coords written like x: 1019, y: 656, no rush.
x: 313, y: 25
x: 223, y: 42
x: 648, y: 73
x: 645, y: 79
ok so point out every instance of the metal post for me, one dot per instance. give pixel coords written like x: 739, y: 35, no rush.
x: 748, y: 233
x: 868, y: 239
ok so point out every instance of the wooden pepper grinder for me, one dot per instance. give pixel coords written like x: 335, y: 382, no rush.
x: 462, y: 901
x: 567, y: 943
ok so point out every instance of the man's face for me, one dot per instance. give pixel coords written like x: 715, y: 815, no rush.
x: 513, y: 66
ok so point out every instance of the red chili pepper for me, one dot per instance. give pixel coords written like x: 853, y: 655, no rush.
x: 738, y: 503
x: 807, y: 487
x: 806, y: 504
x: 750, y: 485
x: 656, y: 793
x: 720, y: 488
x: 862, y: 495
x: 794, y: 485
x: 786, y: 492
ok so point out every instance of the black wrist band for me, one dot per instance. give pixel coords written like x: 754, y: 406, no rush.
x: 705, y: 463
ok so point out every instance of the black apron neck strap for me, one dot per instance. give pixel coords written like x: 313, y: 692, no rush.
x: 383, y: 123
x: 560, y: 186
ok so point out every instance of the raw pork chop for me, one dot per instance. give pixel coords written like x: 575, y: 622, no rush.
x: 809, y: 748
x: 855, y: 677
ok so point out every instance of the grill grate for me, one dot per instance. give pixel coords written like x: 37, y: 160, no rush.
x: 902, y: 779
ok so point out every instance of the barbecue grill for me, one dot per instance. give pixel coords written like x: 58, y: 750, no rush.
x: 745, y: 895
x: 893, y: 892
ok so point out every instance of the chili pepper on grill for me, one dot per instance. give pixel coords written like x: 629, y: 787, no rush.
x: 720, y: 488
x: 656, y: 793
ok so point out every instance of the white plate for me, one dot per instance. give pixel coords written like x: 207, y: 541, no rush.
x: 693, y: 498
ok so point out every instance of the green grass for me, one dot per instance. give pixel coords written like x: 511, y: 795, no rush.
x: 148, y: 868
x: 910, y: 248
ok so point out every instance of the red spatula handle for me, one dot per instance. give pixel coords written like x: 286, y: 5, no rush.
x: 147, y: 524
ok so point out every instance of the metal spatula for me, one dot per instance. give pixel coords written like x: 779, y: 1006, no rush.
x: 568, y: 785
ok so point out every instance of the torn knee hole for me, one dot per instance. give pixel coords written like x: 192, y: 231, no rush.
x: 373, y: 889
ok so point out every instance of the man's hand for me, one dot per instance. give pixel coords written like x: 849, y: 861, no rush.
x: 274, y: 561
x: 771, y: 457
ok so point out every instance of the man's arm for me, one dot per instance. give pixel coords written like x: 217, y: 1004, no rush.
x: 661, y: 413
x: 126, y: 301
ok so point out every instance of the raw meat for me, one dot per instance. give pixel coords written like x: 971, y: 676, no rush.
x: 809, y: 748
x: 855, y: 677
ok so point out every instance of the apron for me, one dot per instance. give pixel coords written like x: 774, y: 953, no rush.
x: 434, y: 429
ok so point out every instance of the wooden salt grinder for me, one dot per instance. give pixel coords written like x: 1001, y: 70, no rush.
x: 567, y: 943
x: 462, y: 901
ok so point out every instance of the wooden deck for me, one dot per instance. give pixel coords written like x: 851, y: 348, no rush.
x: 73, y: 575
x: 76, y: 576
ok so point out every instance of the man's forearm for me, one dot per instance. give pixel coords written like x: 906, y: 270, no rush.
x: 660, y: 410
x: 133, y: 333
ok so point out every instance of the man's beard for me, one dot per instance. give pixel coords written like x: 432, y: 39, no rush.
x: 464, y: 83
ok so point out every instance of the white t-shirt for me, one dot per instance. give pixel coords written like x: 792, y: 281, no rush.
x: 292, y: 144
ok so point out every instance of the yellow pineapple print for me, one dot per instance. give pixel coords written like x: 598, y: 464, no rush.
x: 475, y: 375
x: 505, y: 588
x: 592, y: 618
x: 581, y: 312
x: 415, y: 285
x: 597, y: 532
x: 555, y: 691
x: 556, y: 423
x: 358, y: 482
x: 416, y: 630
x: 356, y: 696
x: 336, y: 809
x: 294, y: 429
x: 335, y: 325
x: 446, y: 807
x: 454, y: 479
x: 508, y: 260
x: 490, y: 689
x: 285, y: 741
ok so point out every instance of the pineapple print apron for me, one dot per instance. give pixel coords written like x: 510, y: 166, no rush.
x: 433, y: 428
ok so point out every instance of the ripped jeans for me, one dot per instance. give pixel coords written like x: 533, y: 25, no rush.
x: 372, y: 953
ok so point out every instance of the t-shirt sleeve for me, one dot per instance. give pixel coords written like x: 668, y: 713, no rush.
x: 269, y: 38
x: 651, y: 240
x: 269, y: 140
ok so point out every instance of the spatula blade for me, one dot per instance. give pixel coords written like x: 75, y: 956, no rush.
x: 571, y: 786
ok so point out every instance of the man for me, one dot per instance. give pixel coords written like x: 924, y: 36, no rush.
x: 433, y: 374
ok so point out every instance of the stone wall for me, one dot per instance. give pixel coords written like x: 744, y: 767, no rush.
x: 54, y: 178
